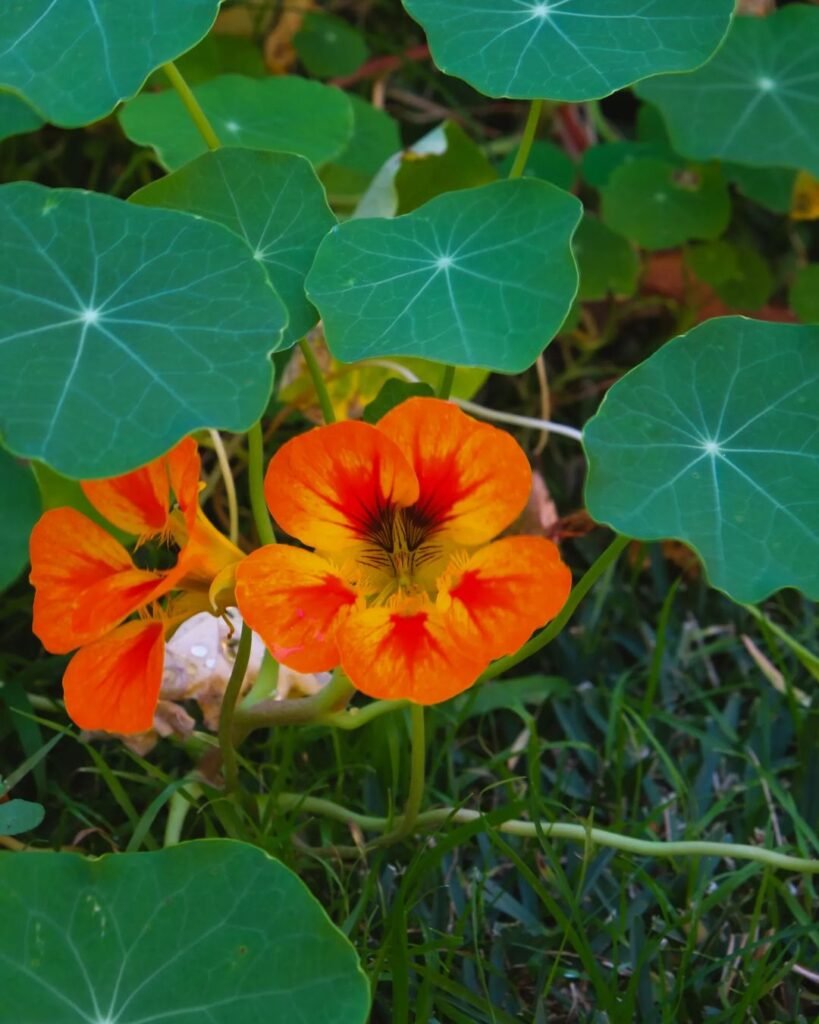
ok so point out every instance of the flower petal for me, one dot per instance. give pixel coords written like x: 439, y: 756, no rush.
x: 505, y: 592
x: 71, y: 559
x: 140, y: 502
x: 337, y: 485
x: 205, y: 554
x: 113, y: 683
x: 295, y: 601
x: 412, y: 653
x: 474, y: 479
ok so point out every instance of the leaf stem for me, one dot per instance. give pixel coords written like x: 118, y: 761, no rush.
x: 528, y: 137
x: 579, y: 591
x: 318, y: 381
x: 230, y: 486
x: 445, y: 387
x: 418, y: 759
x: 226, y: 717
x: 554, y: 830
x: 355, y: 718
x: 192, y: 106
x: 255, y: 476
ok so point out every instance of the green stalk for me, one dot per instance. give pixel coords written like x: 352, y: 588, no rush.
x: 301, y: 711
x: 234, y: 688
x: 255, y: 476
x: 318, y: 381
x: 418, y: 759
x: 191, y: 104
x: 528, y: 137
x: 445, y: 387
x: 553, y: 830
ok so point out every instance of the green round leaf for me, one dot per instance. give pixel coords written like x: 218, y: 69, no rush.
x: 213, y: 931
x: 568, y: 49
x: 19, y: 511
x: 601, y: 161
x: 285, y: 114
x: 771, y: 187
x: 606, y: 261
x: 714, y: 441
x: 215, y: 55
x: 329, y: 46
x: 16, y: 117
x: 18, y: 816
x: 757, y: 101
x: 374, y: 140
x: 546, y: 161
x: 480, y: 277
x: 659, y: 206
x: 422, y: 176
x: 712, y: 262
x: 74, y: 61
x: 750, y: 286
x: 804, y: 294
x: 124, y: 329
x: 274, y: 201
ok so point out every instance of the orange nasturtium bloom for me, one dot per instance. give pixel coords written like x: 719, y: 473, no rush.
x: 403, y: 588
x: 87, y: 586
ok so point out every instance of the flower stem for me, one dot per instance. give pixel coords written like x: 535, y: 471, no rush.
x: 445, y: 387
x: 230, y: 486
x: 355, y: 718
x: 545, y: 636
x: 318, y: 381
x: 418, y: 759
x: 528, y: 137
x: 234, y: 688
x: 553, y: 830
x: 192, y: 106
x: 255, y: 476
x: 301, y: 711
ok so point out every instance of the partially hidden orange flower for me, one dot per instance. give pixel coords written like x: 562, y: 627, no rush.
x: 88, y: 586
x: 403, y: 588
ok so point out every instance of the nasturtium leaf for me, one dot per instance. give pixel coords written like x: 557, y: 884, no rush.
x: 601, y: 161
x: 568, y: 49
x: 771, y: 187
x: 546, y: 161
x: 212, y: 930
x: 481, y: 277
x: 19, y: 510
x: 649, y: 125
x: 374, y: 140
x: 18, y: 816
x: 422, y: 176
x: 16, y: 116
x: 124, y: 329
x: 714, y: 441
x: 328, y: 45
x: 284, y: 114
x: 393, y: 392
x: 74, y: 61
x: 737, y: 273
x: 804, y: 294
x: 274, y: 201
x: 757, y: 101
x: 658, y: 205
x: 607, y: 262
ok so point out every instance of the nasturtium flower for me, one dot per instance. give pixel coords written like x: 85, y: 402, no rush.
x: 88, y: 586
x: 403, y: 588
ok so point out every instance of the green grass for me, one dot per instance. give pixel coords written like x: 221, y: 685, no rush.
x: 646, y: 716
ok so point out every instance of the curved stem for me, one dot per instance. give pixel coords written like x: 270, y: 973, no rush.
x: 555, y: 830
x: 355, y: 718
x: 445, y: 387
x: 255, y: 476
x: 318, y: 381
x: 579, y: 591
x: 234, y: 688
x: 520, y: 421
x: 230, y: 486
x: 528, y: 137
x: 301, y: 711
x: 191, y: 104
x: 418, y: 760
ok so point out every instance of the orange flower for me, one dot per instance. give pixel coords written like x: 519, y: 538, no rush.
x: 403, y: 589
x: 87, y: 585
